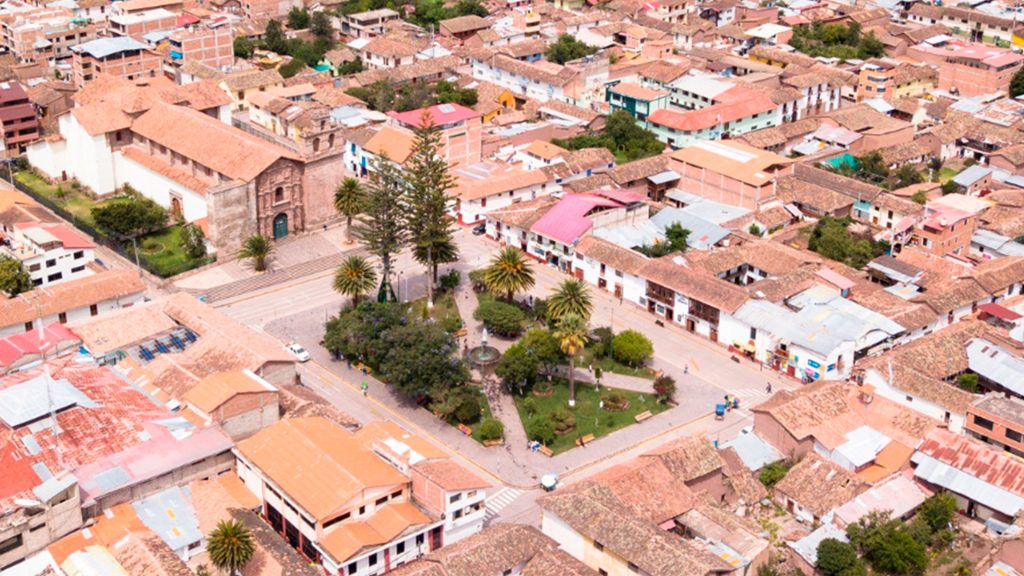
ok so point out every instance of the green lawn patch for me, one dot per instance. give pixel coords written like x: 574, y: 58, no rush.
x: 946, y: 174
x: 445, y: 312
x: 611, y: 366
x: 162, y: 251
x: 590, y: 418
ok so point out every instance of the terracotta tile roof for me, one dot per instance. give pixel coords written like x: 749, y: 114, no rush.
x: 545, y: 150
x: 462, y: 24
x: 1005, y: 220
x: 390, y: 47
x: 836, y: 182
x: 828, y: 411
x: 905, y: 152
x: 501, y: 180
x: 664, y: 72
x: 73, y: 294
x: 249, y: 79
x: 995, y: 276
x: 422, y: 69
x: 450, y: 475
x: 613, y: 255
x: 555, y: 563
x: 524, y: 215
x: 686, y: 280
x: 318, y: 464
x: 624, y: 174
x: 335, y: 97
x: 819, y: 485
x: 347, y: 539
x: 589, y: 183
x: 581, y: 160
x: 689, y: 458
x: 101, y: 119
x: 740, y: 479
x: 952, y: 295
x: 745, y: 163
x: 593, y: 510
x: 205, y: 94
x: 301, y: 402
x: 648, y: 489
x: 228, y: 150
x: 767, y: 255
x: 392, y: 143
x: 214, y: 390
x: 161, y: 167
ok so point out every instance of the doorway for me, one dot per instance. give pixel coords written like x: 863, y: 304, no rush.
x: 280, y: 226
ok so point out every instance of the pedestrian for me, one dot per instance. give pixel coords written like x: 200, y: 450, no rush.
x: 364, y: 387
x: 686, y: 369
x: 768, y: 388
x: 348, y: 363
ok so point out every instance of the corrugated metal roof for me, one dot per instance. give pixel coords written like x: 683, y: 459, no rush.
x: 989, y: 495
x: 900, y: 496
x: 170, y: 515
x: 860, y: 448
x: 807, y: 547
x: 753, y: 451
x: 34, y: 399
x: 996, y: 364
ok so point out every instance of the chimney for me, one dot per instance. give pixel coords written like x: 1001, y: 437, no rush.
x: 867, y: 394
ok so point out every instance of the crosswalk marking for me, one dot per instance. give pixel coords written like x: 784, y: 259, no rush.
x: 499, y: 501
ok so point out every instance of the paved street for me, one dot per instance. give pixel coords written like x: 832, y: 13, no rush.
x: 297, y: 309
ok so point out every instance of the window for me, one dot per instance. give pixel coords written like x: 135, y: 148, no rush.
x: 982, y: 422
x: 381, y: 501
x: 278, y: 194
x: 634, y: 567
x: 753, y: 333
x: 598, y: 546
x: 353, y: 568
x: 12, y: 543
x: 78, y: 255
x: 373, y: 559
x: 51, y: 263
x: 93, y: 310
x: 362, y: 510
x: 62, y: 317
x: 34, y: 267
x: 54, y: 277
x: 77, y: 269
x: 1014, y: 435
x: 419, y: 539
x: 400, y: 548
x: 28, y: 326
x: 455, y: 497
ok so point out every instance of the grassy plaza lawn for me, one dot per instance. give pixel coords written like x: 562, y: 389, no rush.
x: 610, y: 365
x: 590, y: 418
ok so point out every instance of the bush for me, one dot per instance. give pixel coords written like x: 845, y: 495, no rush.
x: 969, y: 382
x: 193, y: 241
x: 450, y: 281
x: 517, y: 366
x: 562, y: 420
x: 665, y: 387
x: 134, y: 216
x: 291, y: 68
x: 631, y: 347
x: 614, y: 400
x: 468, y: 410
x: 530, y: 407
x: 772, y: 473
x: 541, y: 430
x: 492, y: 429
x: 836, y: 558
x: 601, y: 341
x: 501, y: 318
x: 937, y: 512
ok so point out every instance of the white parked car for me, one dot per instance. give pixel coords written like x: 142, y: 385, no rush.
x: 298, y: 351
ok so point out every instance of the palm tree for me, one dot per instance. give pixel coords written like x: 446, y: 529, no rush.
x: 571, y: 297
x: 349, y: 199
x: 571, y: 333
x: 258, y: 249
x: 509, y: 272
x: 354, y: 278
x: 230, y: 546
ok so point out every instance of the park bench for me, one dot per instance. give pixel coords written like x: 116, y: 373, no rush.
x: 465, y: 429
x: 643, y: 416
x: 545, y: 451
x: 495, y: 442
x: 585, y: 440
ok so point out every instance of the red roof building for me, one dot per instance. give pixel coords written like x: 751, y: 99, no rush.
x: 461, y: 130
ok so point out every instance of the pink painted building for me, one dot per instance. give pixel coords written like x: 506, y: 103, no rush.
x: 461, y: 130
x: 971, y: 69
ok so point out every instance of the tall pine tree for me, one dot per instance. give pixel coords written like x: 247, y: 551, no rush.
x: 381, y: 227
x: 429, y: 181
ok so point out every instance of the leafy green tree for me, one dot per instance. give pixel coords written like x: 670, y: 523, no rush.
x: 381, y: 227
x: 429, y: 182
x: 872, y: 163
x: 831, y: 239
x: 420, y: 358
x: 471, y: 8
x: 1017, y: 84
x: 131, y: 217
x: 664, y: 387
x: 509, y: 272
x: 567, y: 48
x: 14, y: 279
x: 468, y: 410
x: 542, y: 345
x: 492, y: 429
x: 517, y: 366
x: 938, y: 511
x: 676, y: 236
x: 631, y: 347
x: 243, y: 47
x: 230, y: 546
x: 754, y: 230
x: 969, y: 382
x: 298, y: 18
x: 274, y: 38
x: 500, y: 317
x: 907, y: 175
x: 836, y: 558
x: 448, y: 92
x: 541, y: 429
x: 349, y: 200
x: 193, y: 241
x: 887, y: 545
x: 354, y: 278
x: 950, y: 187
x: 572, y: 338
x: 358, y: 332
x: 320, y: 26
x: 570, y: 297
x: 920, y: 197
x: 258, y: 249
